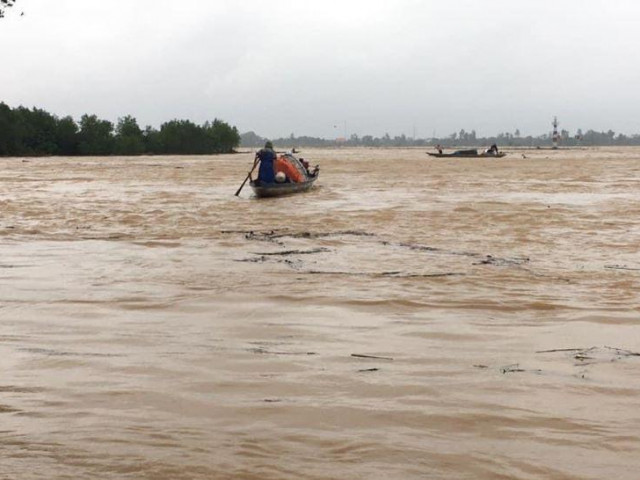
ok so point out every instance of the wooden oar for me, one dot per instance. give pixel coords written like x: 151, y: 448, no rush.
x: 255, y: 164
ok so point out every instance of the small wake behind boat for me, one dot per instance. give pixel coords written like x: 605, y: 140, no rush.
x: 292, y: 176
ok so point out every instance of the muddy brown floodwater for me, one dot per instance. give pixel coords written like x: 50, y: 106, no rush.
x: 408, y: 318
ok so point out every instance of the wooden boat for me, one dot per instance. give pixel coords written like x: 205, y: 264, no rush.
x: 467, y: 154
x: 286, y: 188
x: 279, y: 189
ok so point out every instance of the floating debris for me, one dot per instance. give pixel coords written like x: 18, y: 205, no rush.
x: 361, y: 355
x: 560, y: 350
x: 273, y: 235
x: 426, y: 248
x: 594, y: 355
x: 396, y: 274
x: 277, y: 237
x: 514, y: 368
x: 621, y: 267
x: 61, y: 353
x: 503, y: 262
x: 422, y: 275
x: 296, y: 252
x: 264, y: 351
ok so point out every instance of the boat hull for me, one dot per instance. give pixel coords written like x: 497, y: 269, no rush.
x: 466, y: 155
x: 281, y: 189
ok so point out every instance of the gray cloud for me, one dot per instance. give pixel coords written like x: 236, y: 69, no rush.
x: 309, y: 68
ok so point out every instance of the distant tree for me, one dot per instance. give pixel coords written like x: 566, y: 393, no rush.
x: 39, y: 131
x: 368, y: 141
x: 19, y: 131
x: 7, y: 134
x: 96, y: 136
x: 129, y: 139
x: 151, y: 138
x: 251, y: 139
x: 400, y: 141
x: 67, y: 136
x: 453, y: 140
x: 34, y: 131
x: 27, y: 132
x: 182, y: 137
x: 223, y: 137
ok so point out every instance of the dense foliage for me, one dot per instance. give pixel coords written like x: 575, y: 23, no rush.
x: 462, y: 138
x: 33, y: 131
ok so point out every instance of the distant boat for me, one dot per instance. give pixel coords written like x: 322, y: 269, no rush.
x: 473, y: 153
x: 277, y: 189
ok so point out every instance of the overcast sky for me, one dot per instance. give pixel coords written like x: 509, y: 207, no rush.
x: 323, y: 68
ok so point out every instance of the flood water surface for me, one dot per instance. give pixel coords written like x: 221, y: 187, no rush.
x: 409, y: 317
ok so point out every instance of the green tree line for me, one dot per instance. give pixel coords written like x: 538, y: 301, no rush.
x: 457, y: 139
x: 35, y: 132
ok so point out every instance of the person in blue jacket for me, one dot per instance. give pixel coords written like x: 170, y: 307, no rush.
x: 267, y: 156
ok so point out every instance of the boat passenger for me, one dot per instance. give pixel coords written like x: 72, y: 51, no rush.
x: 305, y: 164
x: 267, y: 156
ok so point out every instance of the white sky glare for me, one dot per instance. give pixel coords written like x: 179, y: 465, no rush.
x: 311, y: 67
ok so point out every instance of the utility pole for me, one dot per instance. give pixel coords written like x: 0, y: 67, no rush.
x: 556, y: 136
